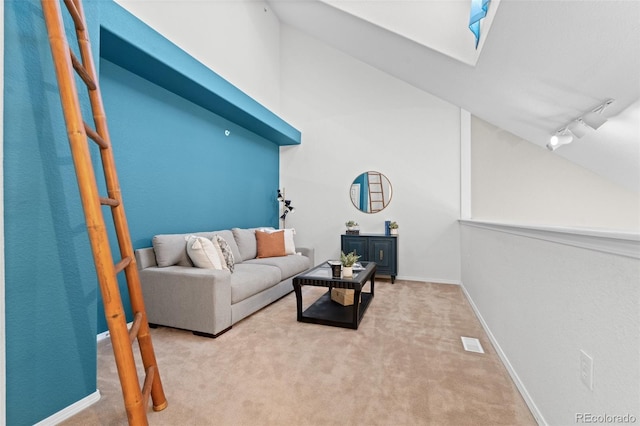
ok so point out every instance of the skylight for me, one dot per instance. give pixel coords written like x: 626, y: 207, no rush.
x: 440, y: 25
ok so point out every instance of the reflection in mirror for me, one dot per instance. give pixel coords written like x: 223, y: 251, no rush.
x: 371, y: 192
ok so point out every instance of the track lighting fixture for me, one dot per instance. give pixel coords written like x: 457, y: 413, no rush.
x: 562, y: 137
x: 590, y: 120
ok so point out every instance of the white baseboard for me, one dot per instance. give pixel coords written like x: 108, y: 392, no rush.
x: 428, y: 280
x: 71, y: 410
x: 84, y: 403
x: 105, y: 334
x: 503, y: 357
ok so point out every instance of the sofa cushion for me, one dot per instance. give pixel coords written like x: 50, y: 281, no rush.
x: 270, y: 244
x: 246, y: 241
x: 289, y: 265
x: 205, y: 253
x: 248, y: 280
x: 171, y: 249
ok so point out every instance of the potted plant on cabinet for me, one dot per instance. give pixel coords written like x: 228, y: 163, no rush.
x: 393, y: 228
x: 347, y: 261
x: 352, y: 227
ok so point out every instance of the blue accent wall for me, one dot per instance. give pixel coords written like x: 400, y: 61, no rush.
x: 363, y: 180
x: 50, y: 283
x: 178, y: 170
x: 178, y: 173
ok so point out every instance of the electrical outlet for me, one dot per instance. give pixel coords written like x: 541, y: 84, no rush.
x: 586, y: 370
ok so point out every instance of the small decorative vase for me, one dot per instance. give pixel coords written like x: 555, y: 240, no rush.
x: 394, y: 231
x: 347, y: 271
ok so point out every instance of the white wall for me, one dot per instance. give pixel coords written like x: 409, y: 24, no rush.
x: 516, y: 181
x: 238, y: 39
x: 355, y: 118
x: 544, y: 301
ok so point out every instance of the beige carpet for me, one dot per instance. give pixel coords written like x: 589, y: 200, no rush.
x: 405, y: 365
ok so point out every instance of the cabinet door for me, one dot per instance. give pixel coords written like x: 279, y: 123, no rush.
x: 381, y: 251
x: 359, y: 244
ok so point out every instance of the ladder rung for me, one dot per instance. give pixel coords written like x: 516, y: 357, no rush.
x: 133, y: 331
x: 148, y: 381
x: 95, y: 136
x: 82, y: 72
x: 109, y: 202
x: 122, y: 264
x: 75, y: 15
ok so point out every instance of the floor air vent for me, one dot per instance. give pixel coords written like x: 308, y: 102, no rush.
x: 471, y: 344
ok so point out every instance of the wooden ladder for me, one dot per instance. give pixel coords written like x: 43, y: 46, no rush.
x: 376, y: 192
x: 122, y: 339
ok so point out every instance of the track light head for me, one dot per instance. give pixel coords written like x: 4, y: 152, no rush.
x: 578, y: 128
x: 594, y: 119
x: 562, y: 137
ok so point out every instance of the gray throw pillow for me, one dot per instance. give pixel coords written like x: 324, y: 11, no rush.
x: 227, y: 253
x: 246, y: 241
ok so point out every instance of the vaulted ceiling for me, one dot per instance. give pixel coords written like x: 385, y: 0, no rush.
x: 540, y: 64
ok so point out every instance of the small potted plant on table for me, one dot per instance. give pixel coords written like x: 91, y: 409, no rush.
x: 347, y: 261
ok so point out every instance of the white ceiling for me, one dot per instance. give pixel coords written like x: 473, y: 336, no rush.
x: 540, y: 64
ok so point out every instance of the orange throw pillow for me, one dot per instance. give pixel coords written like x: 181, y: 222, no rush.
x: 270, y: 244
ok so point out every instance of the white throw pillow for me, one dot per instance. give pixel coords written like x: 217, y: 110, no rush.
x: 204, y: 253
x: 289, y: 245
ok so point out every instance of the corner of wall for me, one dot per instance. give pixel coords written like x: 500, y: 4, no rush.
x: 465, y: 164
x: 2, y: 324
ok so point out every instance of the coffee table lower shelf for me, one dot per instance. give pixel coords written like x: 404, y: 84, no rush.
x: 327, y: 312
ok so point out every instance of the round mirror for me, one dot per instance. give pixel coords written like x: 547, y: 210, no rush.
x: 371, y: 192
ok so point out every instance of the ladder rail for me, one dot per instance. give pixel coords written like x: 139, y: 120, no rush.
x: 118, y: 214
x: 134, y: 398
x: 375, y: 187
x: 120, y: 222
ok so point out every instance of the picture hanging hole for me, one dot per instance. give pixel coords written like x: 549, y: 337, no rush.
x: 227, y: 133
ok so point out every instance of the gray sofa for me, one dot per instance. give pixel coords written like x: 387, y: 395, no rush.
x: 208, y: 301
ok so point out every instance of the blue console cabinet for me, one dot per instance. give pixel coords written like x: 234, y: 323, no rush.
x: 378, y: 248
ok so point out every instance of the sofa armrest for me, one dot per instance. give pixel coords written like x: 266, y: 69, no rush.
x: 186, y: 297
x: 308, y: 252
x: 145, y: 258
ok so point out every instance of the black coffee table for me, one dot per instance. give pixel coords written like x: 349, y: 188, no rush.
x: 324, y: 310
